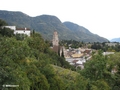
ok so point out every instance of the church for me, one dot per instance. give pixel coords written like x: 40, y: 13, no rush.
x: 56, y: 47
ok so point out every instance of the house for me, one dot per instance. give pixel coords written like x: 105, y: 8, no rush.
x: 111, y: 44
x: 25, y: 31
x: 108, y: 53
x: 88, y: 51
x: 77, y: 55
x: 78, y: 63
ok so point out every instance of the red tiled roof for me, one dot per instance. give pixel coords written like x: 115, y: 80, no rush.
x: 87, y: 51
x: 74, y: 61
x: 23, y: 29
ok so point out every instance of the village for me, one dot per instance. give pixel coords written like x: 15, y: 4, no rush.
x: 75, y: 56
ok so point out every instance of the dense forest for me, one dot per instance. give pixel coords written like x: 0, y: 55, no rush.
x: 31, y: 64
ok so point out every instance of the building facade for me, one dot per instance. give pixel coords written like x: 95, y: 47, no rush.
x: 25, y: 31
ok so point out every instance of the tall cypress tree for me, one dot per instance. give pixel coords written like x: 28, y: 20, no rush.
x: 58, y: 51
x: 62, y: 54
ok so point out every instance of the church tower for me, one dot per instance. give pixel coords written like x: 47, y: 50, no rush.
x: 55, y: 39
x: 55, y: 42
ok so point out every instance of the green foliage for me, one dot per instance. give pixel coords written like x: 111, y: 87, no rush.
x: 100, y: 85
x: 2, y: 23
x: 36, y: 42
x: 81, y: 83
x: 6, y: 32
x: 105, y: 48
x: 27, y: 62
x: 71, y: 79
x: 72, y: 43
x: 99, y: 73
x: 95, y: 68
x: 20, y: 36
x: 13, y: 49
x: 114, y: 62
x: 37, y: 79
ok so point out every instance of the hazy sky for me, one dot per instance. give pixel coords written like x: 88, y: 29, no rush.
x: 101, y: 17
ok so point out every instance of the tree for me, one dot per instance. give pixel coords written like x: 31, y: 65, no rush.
x: 114, y: 64
x: 96, y: 70
x: 37, y: 79
x: 2, y: 23
x: 6, y: 32
x: 36, y: 42
x: 62, y: 54
x: 81, y: 83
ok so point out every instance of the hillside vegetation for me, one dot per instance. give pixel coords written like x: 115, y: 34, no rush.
x: 31, y: 64
x: 47, y: 24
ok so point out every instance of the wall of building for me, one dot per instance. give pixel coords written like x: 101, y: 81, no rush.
x: 55, y: 39
x: 11, y: 27
x: 19, y: 31
x: 26, y: 32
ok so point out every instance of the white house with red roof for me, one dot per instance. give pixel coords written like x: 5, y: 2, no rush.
x: 22, y: 31
x: 25, y: 31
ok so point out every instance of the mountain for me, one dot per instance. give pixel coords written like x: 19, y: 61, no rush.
x: 83, y: 33
x: 115, y: 40
x: 18, y: 19
x: 47, y: 24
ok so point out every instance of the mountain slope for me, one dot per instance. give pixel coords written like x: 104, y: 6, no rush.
x: 47, y: 24
x: 83, y: 33
x: 18, y: 19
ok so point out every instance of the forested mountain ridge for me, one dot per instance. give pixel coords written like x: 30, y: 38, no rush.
x: 47, y: 24
x: 16, y: 18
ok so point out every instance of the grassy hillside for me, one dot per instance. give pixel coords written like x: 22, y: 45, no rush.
x: 65, y: 73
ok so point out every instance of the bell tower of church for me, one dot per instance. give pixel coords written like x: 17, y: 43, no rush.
x: 55, y: 42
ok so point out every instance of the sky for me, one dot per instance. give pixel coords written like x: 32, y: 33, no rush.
x: 100, y: 17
